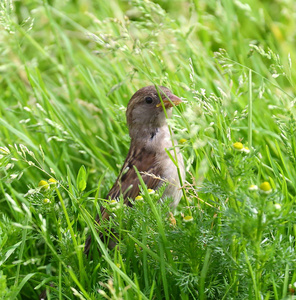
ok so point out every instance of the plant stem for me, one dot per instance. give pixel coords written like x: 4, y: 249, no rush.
x: 250, y: 110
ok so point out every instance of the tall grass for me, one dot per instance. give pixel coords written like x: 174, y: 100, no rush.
x: 68, y: 70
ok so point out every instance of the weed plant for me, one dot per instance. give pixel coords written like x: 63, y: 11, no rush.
x: 68, y: 70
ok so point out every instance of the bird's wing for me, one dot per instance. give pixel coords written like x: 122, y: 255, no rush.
x: 127, y: 183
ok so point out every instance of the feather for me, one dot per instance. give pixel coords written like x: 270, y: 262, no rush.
x: 127, y: 183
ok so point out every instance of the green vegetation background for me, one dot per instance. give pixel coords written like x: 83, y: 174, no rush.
x: 67, y: 71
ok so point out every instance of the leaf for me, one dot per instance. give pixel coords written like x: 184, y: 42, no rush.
x: 20, y: 286
x: 9, y: 252
x: 81, y: 179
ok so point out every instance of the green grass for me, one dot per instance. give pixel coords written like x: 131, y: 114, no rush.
x: 67, y: 72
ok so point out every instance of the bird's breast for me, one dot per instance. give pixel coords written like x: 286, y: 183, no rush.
x: 162, y: 142
x: 170, y: 173
x: 158, y: 144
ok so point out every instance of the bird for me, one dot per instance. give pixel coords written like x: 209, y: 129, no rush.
x: 150, y: 139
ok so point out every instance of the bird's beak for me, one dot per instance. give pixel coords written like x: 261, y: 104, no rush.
x: 170, y: 101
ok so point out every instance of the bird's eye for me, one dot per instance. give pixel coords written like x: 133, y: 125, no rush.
x: 148, y: 100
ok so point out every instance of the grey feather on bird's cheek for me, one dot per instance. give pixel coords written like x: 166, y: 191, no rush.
x: 147, y: 121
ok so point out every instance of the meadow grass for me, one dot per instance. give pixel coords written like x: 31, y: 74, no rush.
x: 67, y: 72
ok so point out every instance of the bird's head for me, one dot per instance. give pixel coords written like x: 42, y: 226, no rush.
x: 145, y: 112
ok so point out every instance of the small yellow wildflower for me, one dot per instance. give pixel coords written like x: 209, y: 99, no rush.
x: 150, y: 191
x: 182, y: 141
x: 246, y: 150
x: 43, y: 185
x: 46, y: 201
x: 253, y: 187
x: 52, y: 182
x: 188, y: 219
x: 113, y: 202
x: 238, y: 146
x: 139, y: 197
x: 265, y: 188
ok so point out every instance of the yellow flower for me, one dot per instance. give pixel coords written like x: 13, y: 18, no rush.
x: 246, y: 150
x: 253, y: 187
x: 139, y: 197
x: 113, y: 202
x: 46, y: 201
x: 238, y: 146
x: 43, y: 185
x: 265, y: 188
x: 52, y: 182
x: 188, y: 219
x: 182, y: 141
x: 150, y: 191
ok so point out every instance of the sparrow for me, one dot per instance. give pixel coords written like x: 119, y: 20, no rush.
x: 150, y: 137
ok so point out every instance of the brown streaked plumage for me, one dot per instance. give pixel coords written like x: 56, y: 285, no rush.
x: 150, y: 137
